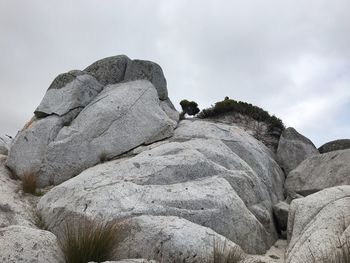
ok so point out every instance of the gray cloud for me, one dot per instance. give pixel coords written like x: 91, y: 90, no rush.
x: 290, y: 57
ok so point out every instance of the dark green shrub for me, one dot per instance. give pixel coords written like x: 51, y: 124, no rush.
x: 229, y: 105
x: 189, y: 107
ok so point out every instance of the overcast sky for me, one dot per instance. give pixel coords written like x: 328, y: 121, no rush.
x: 290, y: 57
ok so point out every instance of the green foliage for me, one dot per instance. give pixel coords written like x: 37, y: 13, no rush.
x: 229, y: 105
x: 29, y: 183
x: 85, y: 241
x: 189, y: 107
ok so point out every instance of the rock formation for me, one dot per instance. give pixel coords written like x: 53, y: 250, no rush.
x: 293, y: 148
x: 319, y: 172
x: 335, y: 146
x: 105, y: 144
x: 82, y: 120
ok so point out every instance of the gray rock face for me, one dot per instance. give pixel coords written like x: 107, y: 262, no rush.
x: 120, y: 118
x: 318, y: 226
x: 26, y: 245
x: 335, y: 146
x: 69, y: 91
x: 5, y: 145
x: 293, y: 148
x: 280, y: 210
x: 109, y: 70
x: 143, y: 69
x: 220, y: 178
x: 319, y: 172
x: 14, y: 209
x: 170, y: 110
x: 170, y: 239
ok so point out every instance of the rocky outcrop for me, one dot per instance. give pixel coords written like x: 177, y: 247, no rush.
x: 68, y: 92
x: 109, y: 70
x: 318, y: 226
x: 5, y: 145
x: 293, y: 148
x: 214, y: 175
x: 22, y: 244
x: 319, y: 172
x: 120, y: 68
x: 335, y: 146
x: 142, y: 69
x: 81, y: 122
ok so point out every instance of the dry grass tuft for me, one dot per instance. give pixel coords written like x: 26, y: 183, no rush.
x: 85, y: 241
x: 29, y: 183
x: 224, y: 254
x: 103, y: 157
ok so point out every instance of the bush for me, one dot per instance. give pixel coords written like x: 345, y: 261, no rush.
x: 90, y: 241
x: 189, y: 107
x: 229, y: 105
x: 29, y: 183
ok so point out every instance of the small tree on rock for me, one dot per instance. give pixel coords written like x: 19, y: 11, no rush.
x: 189, y: 107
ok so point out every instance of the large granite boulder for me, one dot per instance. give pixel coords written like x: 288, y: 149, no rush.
x: 170, y: 239
x: 120, y: 118
x: 68, y: 92
x: 22, y: 244
x: 214, y: 175
x: 143, y: 69
x: 5, y: 145
x: 335, y: 145
x: 110, y: 70
x: 318, y: 226
x: 319, y: 172
x: 293, y: 148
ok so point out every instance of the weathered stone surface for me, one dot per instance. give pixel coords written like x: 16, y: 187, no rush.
x: 200, y: 179
x: 251, y: 151
x: 280, y: 210
x: 169, y: 109
x: 14, y: 208
x: 143, y: 69
x: 170, y: 239
x: 335, y: 145
x: 293, y: 148
x: 110, y: 70
x: 319, y: 172
x: 318, y: 225
x: 68, y: 91
x: 19, y: 244
x: 29, y: 148
x: 5, y: 144
x: 122, y: 117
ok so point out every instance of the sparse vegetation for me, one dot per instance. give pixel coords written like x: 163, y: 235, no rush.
x: 222, y: 253
x: 85, y: 241
x: 229, y: 105
x: 29, y: 183
x: 103, y: 157
x: 189, y: 107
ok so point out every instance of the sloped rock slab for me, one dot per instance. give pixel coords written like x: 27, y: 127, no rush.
x: 318, y: 226
x: 200, y: 179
